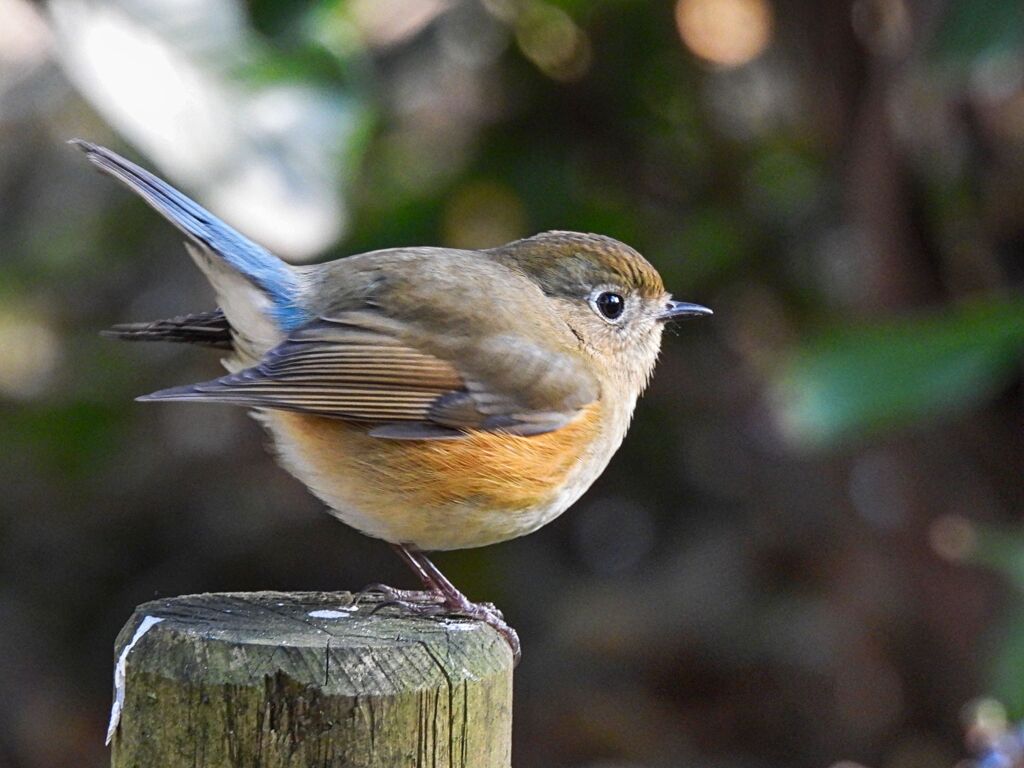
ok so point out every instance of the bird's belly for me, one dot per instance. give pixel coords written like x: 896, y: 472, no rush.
x: 442, y: 494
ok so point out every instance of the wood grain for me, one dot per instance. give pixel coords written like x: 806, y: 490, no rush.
x: 294, y: 680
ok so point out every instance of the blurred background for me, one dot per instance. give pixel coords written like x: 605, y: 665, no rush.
x: 809, y: 550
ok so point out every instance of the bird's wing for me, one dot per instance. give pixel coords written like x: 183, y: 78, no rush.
x: 356, y: 368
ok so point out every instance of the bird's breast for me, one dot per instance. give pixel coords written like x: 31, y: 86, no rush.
x: 445, y: 494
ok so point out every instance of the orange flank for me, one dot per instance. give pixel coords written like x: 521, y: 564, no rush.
x: 491, y: 484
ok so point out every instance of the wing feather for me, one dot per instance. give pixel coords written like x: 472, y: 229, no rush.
x: 346, y: 372
x: 355, y: 368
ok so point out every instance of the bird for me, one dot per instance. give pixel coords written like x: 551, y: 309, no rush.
x: 434, y: 398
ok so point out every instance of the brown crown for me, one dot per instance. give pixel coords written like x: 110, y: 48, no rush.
x: 566, y: 262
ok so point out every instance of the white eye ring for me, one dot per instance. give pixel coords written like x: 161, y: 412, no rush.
x: 609, y: 303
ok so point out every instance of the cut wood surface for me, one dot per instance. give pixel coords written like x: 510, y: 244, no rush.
x: 273, y: 679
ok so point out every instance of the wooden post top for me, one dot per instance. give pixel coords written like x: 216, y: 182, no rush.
x: 292, y: 679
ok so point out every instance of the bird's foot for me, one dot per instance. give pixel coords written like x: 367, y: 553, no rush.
x: 437, y: 605
x: 452, y: 601
x: 490, y: 615
x: 382, y: 594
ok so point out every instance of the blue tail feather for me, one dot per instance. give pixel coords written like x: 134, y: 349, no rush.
x: 253, y: 261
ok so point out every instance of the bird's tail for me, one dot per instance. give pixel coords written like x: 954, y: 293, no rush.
x: 224, y: 249
x: 206, y: 329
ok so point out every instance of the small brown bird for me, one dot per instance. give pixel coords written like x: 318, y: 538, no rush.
x: 434, y: 398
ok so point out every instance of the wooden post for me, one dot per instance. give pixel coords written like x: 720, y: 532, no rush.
x: 275, y: 680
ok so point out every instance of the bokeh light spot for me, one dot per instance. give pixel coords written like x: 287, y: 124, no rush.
x: 729, y: 33
x: 985, y: 720
x: 550, y: 39
x: 882, y: 25
x: 389, y: 22
x: 31, y: 352
x: 953, y: 537
x: 483, y: 214
x: 24, y: 37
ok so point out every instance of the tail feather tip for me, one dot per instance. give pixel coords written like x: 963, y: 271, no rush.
x: 172, y: 393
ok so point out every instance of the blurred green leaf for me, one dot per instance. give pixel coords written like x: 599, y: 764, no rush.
x: 1007, y: 666
x: 998, y: 549
x: 89, y: 434
x: 713, y: 242
x: 271, y: 17
x: 855, y: 381
x: 1001, y: 549
x: 974, y: 28
x: 783, y: 183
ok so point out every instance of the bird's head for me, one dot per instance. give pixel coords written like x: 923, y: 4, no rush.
x: 609, y: 295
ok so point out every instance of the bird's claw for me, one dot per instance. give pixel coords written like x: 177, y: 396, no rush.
x: 435, y: 605
x: 382, y: 594
x: 489, y: 614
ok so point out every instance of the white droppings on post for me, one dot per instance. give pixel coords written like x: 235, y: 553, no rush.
x: 327, y: 613
x: 461, y: 626
x: 145, y: 625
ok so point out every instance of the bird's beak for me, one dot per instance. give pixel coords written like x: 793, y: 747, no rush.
x: 674, y: 309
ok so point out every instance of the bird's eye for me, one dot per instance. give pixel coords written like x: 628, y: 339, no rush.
x: 610, y: 305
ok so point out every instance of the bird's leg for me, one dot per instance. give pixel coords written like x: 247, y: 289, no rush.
x: 441, y: 596
x: 434, y: 579
x: 457, y: 602
x: 408, y: 597
x: 409, y: 557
